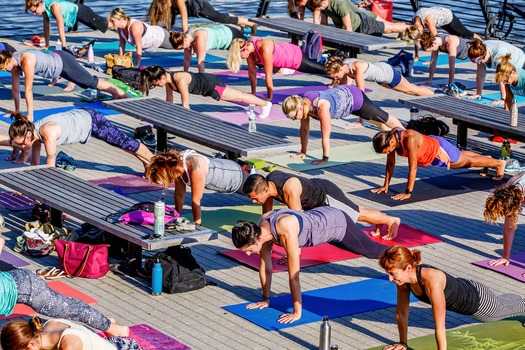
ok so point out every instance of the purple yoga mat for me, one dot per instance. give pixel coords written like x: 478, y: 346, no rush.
x: 516, y: 268
x: 12, y: 259
x: 152, y: 339
x: 126, y: 184
x: 241, y: 118
x: 243, y: 74
x: 14, y: 202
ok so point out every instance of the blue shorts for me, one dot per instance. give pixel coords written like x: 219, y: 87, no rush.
x: 452, y: 151
x: 396, y: 79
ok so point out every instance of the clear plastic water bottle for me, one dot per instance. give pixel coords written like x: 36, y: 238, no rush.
x: 159, y: 219
x: 252, y: 124
x: 58, y: 46
x: 514, y: 113
x: 93, y: 94
x: 414, y: 113
x: 91, y: 54
x: 325, y: 334
x: 156, y: 278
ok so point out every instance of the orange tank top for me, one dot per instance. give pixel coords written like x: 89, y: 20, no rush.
x: 426, y: 153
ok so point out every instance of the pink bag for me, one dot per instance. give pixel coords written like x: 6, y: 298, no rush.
x: 383, y: 9
x: 82, y: 260
x: 143, y: 217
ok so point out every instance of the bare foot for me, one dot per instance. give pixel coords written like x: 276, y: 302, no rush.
x: 254, y: 30
x: 392, y: 230
x: 354, y: 124
x: 70, y: 86
x: 500, y: 170
x: 283, y: 261
x: 117, y: 330
x: 21, y: 160
x: 376, y: 231
x: 484, y: 172
x: 53, y: 82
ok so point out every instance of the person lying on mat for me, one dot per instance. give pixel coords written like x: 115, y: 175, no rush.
x: 443, y: 292
x: 59, y: 334
x: 338, y: 102
x: 300, y: 193
x: 66, y: 14
x: 506, y: 201
x: 204, y: 84
x: 292, y: 230
x: 423, y: 150
x: 487, y: 54
x: 452, y: 45
x: 76, y: 125
x: 512, y: 78
x: 200, y: 40
x: 143, y: 36
x: 382, y: 73
x: 50, y: 65
x: 189, y: 168
x: 269, y: 54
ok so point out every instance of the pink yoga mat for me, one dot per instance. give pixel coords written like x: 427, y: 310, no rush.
x: 152, y: 339
x: 13, y: 201
x: 243, y: 74
x: 241, y: 118
x: 516, y: 268
x: 325, y: 253
x: 127, y: 184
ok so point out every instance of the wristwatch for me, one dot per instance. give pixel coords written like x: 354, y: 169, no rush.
x: 407, y: 191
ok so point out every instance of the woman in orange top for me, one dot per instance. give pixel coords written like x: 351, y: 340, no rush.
x: 423, y: 150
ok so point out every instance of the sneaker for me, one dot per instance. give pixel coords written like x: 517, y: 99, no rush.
x: 150, y: 140
x: 266, y: 110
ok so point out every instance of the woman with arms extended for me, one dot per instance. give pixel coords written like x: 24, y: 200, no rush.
x: 423, y: 150
x: 443, y: 292
x: 66, y: 14
x: 49, y: 65
x: 269, y: 54
x: 512, y: 78
x: 189, y: 168
x: 76, y: 125
x: 163, y: 12
x: 203, y: 84
x: 143, y: 36
x: 200, y: 40
x: 506, y: 201
x: 294, y: 229
x: 338, y: 102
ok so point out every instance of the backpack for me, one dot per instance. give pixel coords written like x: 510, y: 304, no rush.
x: 180, y: 271
x: 402, y: 62
x: 429, y: 125
x: 312, y: 46
x: 130, y: 76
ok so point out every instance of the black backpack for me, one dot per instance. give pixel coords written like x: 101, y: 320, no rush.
x: 130, y: 76
x: 429, y: 125
x: 180, y: 271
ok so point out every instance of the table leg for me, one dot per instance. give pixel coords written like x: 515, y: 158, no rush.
x: 162, y: 140
x: 56, y: 218
x: 462, y: 135
x: 134, y: 256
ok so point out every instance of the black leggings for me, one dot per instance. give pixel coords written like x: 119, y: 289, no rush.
x: 311, y: 66
x: 75, y: 73
x: 209, y: 12
x: 370, y: 111
x: 236, y: 33
x: 91, y: 19
x: 457, y: 28
x: 359, y: 242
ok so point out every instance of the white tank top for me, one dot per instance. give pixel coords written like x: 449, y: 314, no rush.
x: 152, y: 37
x: 90, y: 340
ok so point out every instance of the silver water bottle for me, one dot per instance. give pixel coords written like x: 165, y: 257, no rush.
x: 514, y: 113
x: 159, y: 219
x: 414, y: 113
x: 325, y: 334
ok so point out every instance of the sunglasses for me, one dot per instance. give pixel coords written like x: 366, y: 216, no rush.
x: 295, y: 115
x: 4, y: 68
x: 476, y: 59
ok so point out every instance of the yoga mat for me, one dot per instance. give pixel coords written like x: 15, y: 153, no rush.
x: 127, y: 184
x: 224, y: 218
x: 516, y: 268
x: 22, y: 310
x: 5, y: 74
x: 152, y: 339
x: 325, y: 253
x: 435, y: 187
x: 441, y: 61
x: 40, y: 88
x: 500, y: 335
x: 175, y: 60
x: 241, y: 118
x: 358, y: 152
x: 12, y: 259
x: 489, y: 98
x: 243, y: 74
x: 337, y: 301
x: 14, y: 202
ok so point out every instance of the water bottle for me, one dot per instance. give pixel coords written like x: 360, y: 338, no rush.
x: 91, y: 54
x: 410, y: 68
x: 334, y: 347
x: 156, y: 278
x: 93, y: 94
x: 159, y: 219
x: 58, y: 45
x: 253, y: 170
x: 325, y: 334
x: 514, y: 113
x: 252, y: 125
x: 505, y: 149
x: 413, y: 113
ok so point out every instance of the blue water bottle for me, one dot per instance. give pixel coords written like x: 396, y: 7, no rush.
x: 156, y: 278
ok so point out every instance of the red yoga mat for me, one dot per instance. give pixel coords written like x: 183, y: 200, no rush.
x: 22, y: 310
x: 325, y: 253
x: 152, y: 339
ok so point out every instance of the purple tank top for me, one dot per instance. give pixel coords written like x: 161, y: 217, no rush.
x: 316, y: 226
x: 284, y: 55
x: 343, y: 99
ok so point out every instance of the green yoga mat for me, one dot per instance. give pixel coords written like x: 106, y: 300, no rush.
x: 359, y: 152
x: 507, y: 334
x: 223, y: 219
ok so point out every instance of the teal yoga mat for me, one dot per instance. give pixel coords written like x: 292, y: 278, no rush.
x: 442, y: 60
x: 337, y: 301
x: 489, y: 98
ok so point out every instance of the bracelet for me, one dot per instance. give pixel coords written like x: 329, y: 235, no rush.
x: 265, y: 298
x: 326, y: 157
x: 403, y: 343
x: 407, y: 191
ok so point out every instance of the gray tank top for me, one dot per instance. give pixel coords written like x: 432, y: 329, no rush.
x: 463, y: 46
x: 75, y: 126
x: 316, y: 226
x: 378, y: 72
x: 48, y: 65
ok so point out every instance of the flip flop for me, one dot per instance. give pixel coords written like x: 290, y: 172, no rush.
x: 55, y: 274
x: 45, y: 271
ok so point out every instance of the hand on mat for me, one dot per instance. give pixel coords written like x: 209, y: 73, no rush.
x: 319, y: 161
x: 259, y: 305
x: 474, y: 97
x: 426, y: 82
x: 401, y: 196
x: 298, y: 155
x: 498, y: 103
x: 288, y: 318
x: 396, y: 346
x: 382, y: 189
x: 500, y: 261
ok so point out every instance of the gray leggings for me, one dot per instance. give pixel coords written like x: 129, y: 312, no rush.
x: 34, y: 292
x: 496, y: 307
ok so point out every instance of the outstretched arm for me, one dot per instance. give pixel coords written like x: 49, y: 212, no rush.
x: 323, y: 114
x: 389, y: 170
x: 509, y: 229
x: 266, y: 50
x: 198, y: 179
x: 136, y: 31
x: 265, y: 275
x: 57, y: 12
x: 410, y: 144
x: 28, y: 62
x: 304, y: 131
x: 435, y: 289
x: 179, y: 194
x: 402, y: 312
x: 183, y: 10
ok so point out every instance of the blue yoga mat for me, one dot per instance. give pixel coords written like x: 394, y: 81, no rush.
x: 338, y: 301
x: 175, y: 60
x: 5, y: 74
x: 489, y: 98
x: 442, y: 60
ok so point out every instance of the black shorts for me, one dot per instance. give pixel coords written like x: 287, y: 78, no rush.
x: 370, y: 26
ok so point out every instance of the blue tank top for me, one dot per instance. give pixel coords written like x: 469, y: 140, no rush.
x: 343, y: 99
x: 219, y: 37
x: 47, y: 65
x: 69, y: 11
x: 316, y: 226
x: 520, y: 88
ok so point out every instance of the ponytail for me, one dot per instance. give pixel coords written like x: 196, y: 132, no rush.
x: 399, y: 257
x: 504, y: 68
x: 17, y: 334
x: 234, y: 55
x: 382, y: 140
x: 148, y: 75
x: 177, y: 39
x: 292, y: 103
x: 426, y: 39
x: 20, y: 126
x: 476, y: 49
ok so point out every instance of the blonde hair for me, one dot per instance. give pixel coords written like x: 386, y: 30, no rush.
x: 17, y: 334
x: 165, y: 168
x: 504, y: 201
x: 118, y: 14
x: 234, y: 54
x: 333, y: 65
x: 32, y: 3
x: 504, y: 68
x: 292, y: 103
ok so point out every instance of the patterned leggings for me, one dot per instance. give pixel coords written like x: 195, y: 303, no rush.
x: 496, y: 307
x: 34, y: 292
